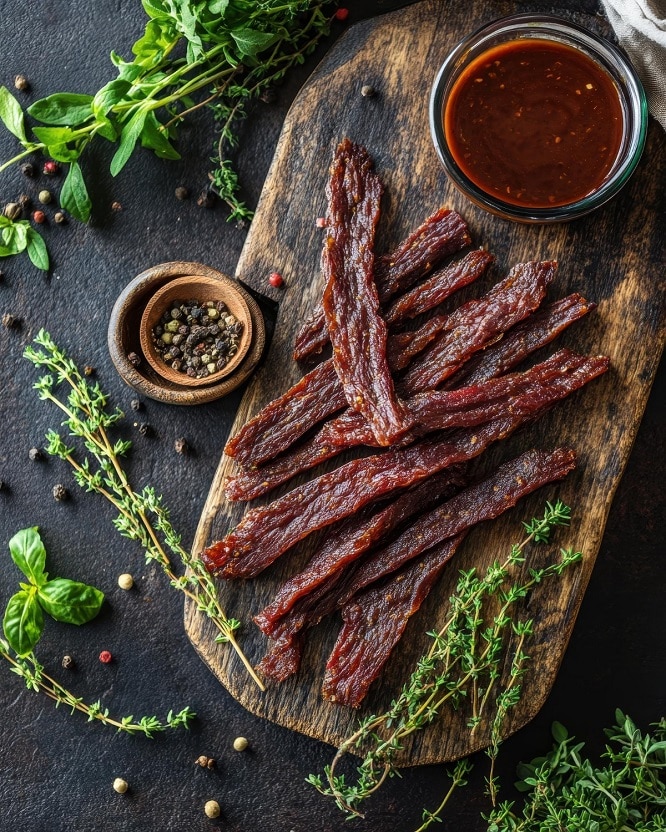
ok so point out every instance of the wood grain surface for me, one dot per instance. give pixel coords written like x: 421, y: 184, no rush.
x: 614, y: 257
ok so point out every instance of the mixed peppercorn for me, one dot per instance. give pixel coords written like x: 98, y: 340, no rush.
x: 197, y: 338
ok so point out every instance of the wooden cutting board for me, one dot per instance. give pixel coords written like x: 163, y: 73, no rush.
x: 615, y: 257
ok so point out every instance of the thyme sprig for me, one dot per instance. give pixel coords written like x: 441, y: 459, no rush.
x: 142, y: 516
x: 463, y: 666
x: 32, y: 673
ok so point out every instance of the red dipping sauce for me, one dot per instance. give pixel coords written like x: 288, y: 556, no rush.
x: 534, y: 123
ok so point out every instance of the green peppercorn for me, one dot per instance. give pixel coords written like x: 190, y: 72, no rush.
x: 45, y: 197
x: 172, y: 326
x: 166, y: 337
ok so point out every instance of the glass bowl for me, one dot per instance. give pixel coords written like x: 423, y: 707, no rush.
x: 608, y: 57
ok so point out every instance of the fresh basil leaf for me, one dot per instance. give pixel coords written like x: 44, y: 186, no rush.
x: 37, y: 251
x: 107, y: 129
x: 53, y: 135
x: 251, y: 42
x: 218, y: 7
x: 70, y: 601
x: 29, y: 554
x: 60, y: 144
x: 155, y: 139
x: 23, y: 622
x: 128, y: 139
x: 154, y: 8
x: 109, y: 95
x: 64, y: 108
x: 14, y: 239
x: 74, y: 194
x: 12, y: 115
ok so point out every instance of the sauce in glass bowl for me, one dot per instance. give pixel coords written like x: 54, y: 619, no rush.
x: 536, y: 122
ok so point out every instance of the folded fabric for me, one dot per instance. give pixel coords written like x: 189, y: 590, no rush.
x: 640, y: 26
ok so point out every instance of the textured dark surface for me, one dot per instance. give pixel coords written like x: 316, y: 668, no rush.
x: 56, y: 770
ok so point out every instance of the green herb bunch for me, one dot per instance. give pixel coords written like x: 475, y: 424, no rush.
x: 17, y: 236
x: 193, y: 53
x: 566, y: 791
x: 142, y: 515
x: 73, y: 603
x: 462, y: 669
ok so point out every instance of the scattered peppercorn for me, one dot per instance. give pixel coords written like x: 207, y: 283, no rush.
x: 125, y: 581
x: 10, y: 321
x: 206, y: 199
x: 51, y: 168
x: 276, y: 280
x: 240, y: 744
x: 133, y: 359
x: 45, y: 197
x: 144, y: 428
x: 205, y: 762
x: 341, y: 14
x: 116, y: 207
x: 268, y: 96
x: 60, y: 492
x: 197, y: 338
x: 21, y: 83
x: 321, y: 222
x: 35, y: 454
x: 39, y: 217
x: 136, y: 404
x: 181, y: 446
x: 105, y: 657
x: 212, y: 809
x: 24, y: 201
x: 182, y: 193
x: 367, y: 91
x: 59, y: 217
x: 28, y: 170
x: 120, y: 785
x: 67, y: 662
x: 12, y: 211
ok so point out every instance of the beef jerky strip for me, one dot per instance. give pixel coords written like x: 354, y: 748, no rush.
x: 357, y: 331
x: 373, y: 625
x: 354, y: 537
x: 483, y: 501
x: 433, y: 410
x: 465, y: 406
x: 316, y: 396
x: 478, y: 323
x: 439, y: 287
x: 539, y: 329
x: 375, y: 620
x: 443, y: 233
x: 460, y: 512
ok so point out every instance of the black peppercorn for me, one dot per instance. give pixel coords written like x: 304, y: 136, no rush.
x: 60, y: 492
x: 145, y: 429
x: 133, y: 359
x: 181, y: 446
x: 10, y: 321
x: 25, y: 202
x: 206, y: 199
x: 182, y: 193
x: 268, y: 96
x: 136, y: 404
x: 367, y: 91
x: 28, y: 170
x: 67, y: 662
x: 35, y: 454
x: 88, y: 370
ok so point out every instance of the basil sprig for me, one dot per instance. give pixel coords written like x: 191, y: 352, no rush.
x: 69, y: 601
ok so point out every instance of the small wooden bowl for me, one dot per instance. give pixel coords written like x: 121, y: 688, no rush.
x: 125, y: 324
x: 202, y: 288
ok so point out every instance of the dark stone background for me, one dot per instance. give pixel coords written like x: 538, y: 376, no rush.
x: 55, y: 770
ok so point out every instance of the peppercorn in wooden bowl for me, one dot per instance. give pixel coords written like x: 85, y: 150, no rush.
x: 125, y: 326
x: 195, y: 330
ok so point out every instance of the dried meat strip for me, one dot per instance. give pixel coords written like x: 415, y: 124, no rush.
x: 372, y: 626
x: 539, y: 329
x: 433, y: 410
x: 316, y: 396
x: 478, y: 323
x: 403, y: 347
x: 439, y: 287
x: 284, y: 656
x: 442, y: 234
x: 375, y: 620
x: 486, y: 500
x: 352, y: 539
x: 357, y: 331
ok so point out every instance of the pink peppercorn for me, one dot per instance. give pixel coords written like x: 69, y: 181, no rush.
x: 39, y: 217
x: 50, y: 168
x: 321, y: 222
x: 105, y: 657
x: 276, y: 280
x: 342, y: 14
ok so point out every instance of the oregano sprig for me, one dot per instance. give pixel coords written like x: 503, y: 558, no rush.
x: 463, y: 668
x: 142, y: 516
x: 68, y: 601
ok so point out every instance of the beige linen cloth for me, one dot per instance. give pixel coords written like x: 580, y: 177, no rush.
x: 640, y: 26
